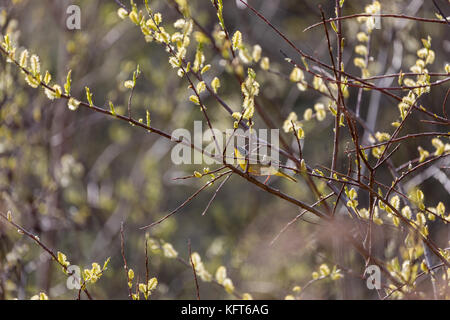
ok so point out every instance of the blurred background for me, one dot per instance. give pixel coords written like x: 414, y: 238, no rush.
x: 73, y: 177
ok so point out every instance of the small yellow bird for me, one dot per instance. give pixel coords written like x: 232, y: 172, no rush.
x: 259, y: 169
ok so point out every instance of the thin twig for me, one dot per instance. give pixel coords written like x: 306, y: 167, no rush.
x: 185, y: 202
x: 215, y: 193
x: 383, y: 15
x: 125, y: 266
x: 193, y: 270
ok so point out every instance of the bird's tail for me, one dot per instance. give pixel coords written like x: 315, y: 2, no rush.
x: 284, y: 175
